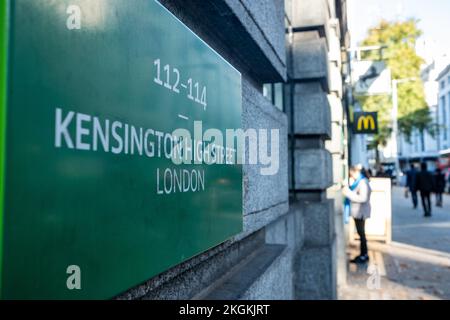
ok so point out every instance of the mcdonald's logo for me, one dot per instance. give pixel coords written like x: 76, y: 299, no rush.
x: 365, y: 122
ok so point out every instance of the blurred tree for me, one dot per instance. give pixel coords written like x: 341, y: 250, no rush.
x: 399, y: 39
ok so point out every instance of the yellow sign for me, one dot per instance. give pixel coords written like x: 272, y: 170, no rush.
x: 365, y: 122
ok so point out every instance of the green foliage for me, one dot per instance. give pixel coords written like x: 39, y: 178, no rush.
x: 400, y: 56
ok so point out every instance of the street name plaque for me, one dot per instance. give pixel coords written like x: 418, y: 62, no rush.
x: 91, y: 93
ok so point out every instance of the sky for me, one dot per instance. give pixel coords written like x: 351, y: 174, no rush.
x: 434, y: 16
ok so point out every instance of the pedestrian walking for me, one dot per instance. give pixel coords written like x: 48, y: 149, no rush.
x: 425, y: 185
x: 411, y: 177
x: 439, y: 186
x: 358, y: 201
x: 448, y: 173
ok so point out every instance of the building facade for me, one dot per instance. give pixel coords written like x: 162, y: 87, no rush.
x: 292, y: 57
x: 443, y: 114
x: 423, y: 146
x: 95, y: 120
x: 430, y: 146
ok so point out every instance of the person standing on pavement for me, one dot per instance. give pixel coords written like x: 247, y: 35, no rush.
x: 439, y: 186
x: 425, y: 185
x: 358, y: 198
x: 411, y: 176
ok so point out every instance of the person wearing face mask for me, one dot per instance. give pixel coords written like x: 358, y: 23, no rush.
x: 358, y: 204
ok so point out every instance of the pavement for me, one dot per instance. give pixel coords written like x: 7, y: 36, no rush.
x: 414, y: 266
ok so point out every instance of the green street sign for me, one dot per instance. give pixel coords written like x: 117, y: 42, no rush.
x: 91, y: 92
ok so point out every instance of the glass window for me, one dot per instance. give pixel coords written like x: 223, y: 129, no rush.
x: 267, y: 91
x: 417, y: 141
x: 447, y: 114
x: 444, y: 117
x: 274, y: 93
x: 442, y: 84
x: 278, y: 95
x: 422, y: 140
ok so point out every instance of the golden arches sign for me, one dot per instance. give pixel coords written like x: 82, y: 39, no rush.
x: 365, y: 122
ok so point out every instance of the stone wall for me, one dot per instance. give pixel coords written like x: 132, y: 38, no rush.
x: 288, y: 247
x: 250, y: 35
x: 316, y: 146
